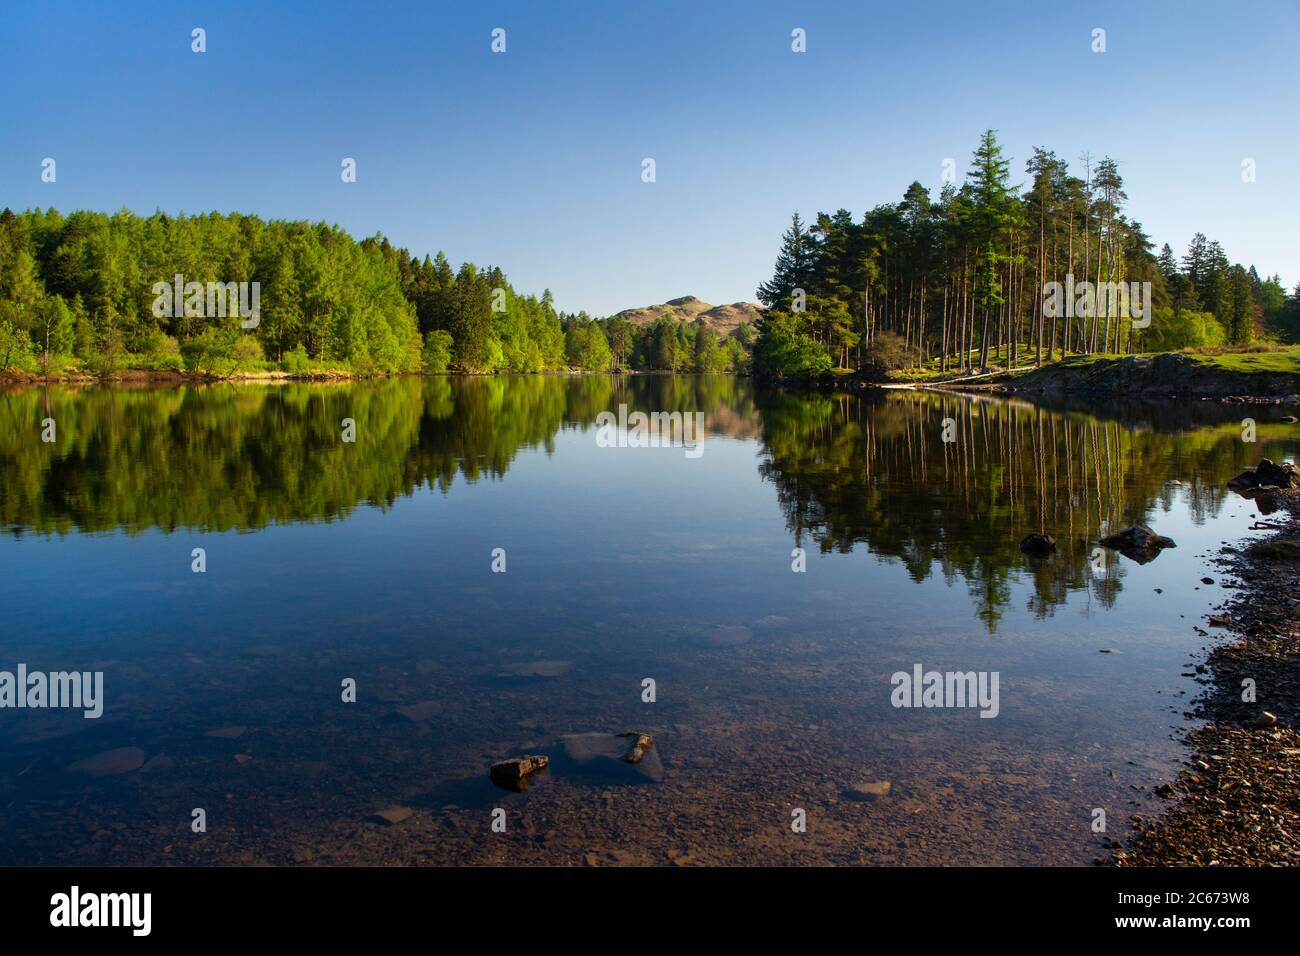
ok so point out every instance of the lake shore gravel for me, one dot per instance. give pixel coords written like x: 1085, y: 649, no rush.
x: 1237, y: 803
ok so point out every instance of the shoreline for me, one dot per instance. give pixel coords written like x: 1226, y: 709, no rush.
x: 1235, y: 802
x: 144, y: 377
x: 1261, y: 377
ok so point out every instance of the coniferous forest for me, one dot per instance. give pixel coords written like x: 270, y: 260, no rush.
x: 955, y: 282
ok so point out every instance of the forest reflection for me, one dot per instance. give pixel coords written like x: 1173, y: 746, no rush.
x: 242, y: 457
x: 869, y: 469
x: 874, y: 470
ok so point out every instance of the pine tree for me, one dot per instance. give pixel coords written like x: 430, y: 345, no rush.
x: 990, y: 218
x: 795, y: 266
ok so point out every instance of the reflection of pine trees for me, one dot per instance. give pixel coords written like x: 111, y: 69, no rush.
x: 874, y: 470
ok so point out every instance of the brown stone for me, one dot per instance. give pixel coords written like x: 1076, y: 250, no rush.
x: 516, y: 774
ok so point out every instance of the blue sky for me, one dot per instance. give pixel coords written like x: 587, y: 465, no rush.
x: 531, y: 159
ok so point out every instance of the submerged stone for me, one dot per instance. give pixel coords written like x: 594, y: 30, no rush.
x: 868, y: 790
x: 628, y: 757
x: 729, y: 635
x: 417, y: 713
x: 158, y: 764
x: 110, y: 763
x: 227, y: 733
x: 392, y: 816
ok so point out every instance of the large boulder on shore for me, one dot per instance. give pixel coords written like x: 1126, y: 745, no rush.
x: 1267, y: 475
x: 1138, y: 543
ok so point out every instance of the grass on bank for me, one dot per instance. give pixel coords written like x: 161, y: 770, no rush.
x: 1259, y: 359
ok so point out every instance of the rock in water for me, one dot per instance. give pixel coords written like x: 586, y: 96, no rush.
x: 1264, y: 721
x: 869, y: 790
x: 1267, y: 475
x: 625, y: 758
x: 110, y: 763
x: 1038, y: 544
x: 1138, y: 543
x: 515, y: 774
x: 640, y: 744
x: 1244, y: 481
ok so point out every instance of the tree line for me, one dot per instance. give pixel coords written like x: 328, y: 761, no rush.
x: 959, y: 280
x: 78, y: 291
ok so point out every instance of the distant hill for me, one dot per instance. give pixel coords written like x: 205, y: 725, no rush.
x: 723, y: 319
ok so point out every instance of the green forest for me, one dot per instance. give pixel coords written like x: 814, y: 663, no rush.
x: 77, y: 295
x: 956, y: 283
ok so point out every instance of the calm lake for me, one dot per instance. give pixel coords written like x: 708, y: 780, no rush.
x: 372, y: 561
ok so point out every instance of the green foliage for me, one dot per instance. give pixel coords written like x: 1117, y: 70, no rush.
x: 86, y: 282
x: 437, y: 353
x: 784, y: 349
x: 55, y: 330
x: 586, y: 347
x: 15, y: 348
x: 222, y: 352
x: 296, y: 361
x: 1172, y: 330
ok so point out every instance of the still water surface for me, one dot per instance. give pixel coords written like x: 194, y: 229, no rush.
x: 371, y: 560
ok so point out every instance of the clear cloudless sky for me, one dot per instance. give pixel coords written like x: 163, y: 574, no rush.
x: 531, y: 159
